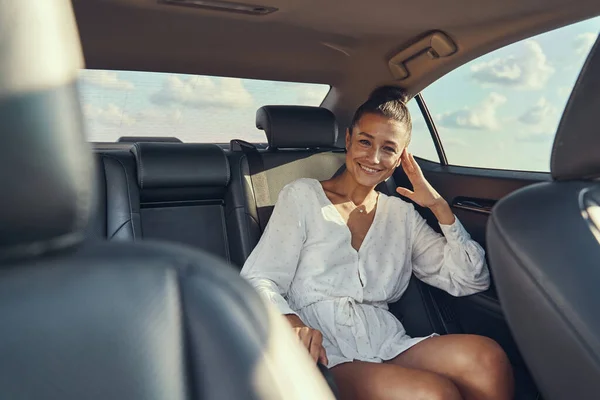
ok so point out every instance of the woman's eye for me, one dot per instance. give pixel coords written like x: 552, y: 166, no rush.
x: 363, y: 141
x: 390, y: 150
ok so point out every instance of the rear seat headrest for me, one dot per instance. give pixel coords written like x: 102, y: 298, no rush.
x: 296, y: 127
x: 154, y: 139
x: 179, y: 165
x: 576, y: 151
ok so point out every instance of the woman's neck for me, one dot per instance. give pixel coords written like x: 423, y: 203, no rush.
x: 346, y: 185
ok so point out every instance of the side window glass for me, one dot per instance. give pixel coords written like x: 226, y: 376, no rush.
x: 501, y: 110
x: 421, y: 143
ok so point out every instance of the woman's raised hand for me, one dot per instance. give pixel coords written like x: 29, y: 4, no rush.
x: 423, y: 193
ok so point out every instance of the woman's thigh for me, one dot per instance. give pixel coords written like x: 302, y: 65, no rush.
x: 360, y: 380
x: 476, y: 364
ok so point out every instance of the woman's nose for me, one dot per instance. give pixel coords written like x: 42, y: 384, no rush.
x: 374, y: 156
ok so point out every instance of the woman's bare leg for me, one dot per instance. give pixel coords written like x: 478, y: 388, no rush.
x: 370, y: 381
x: 476, y: 364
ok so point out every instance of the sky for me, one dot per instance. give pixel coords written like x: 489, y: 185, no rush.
x: 498, y: 111
x: 502, y: 110
x: 190, y: 107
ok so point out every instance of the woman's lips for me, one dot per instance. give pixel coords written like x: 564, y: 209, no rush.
x: 368, y: 170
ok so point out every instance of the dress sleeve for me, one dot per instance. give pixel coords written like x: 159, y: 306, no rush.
x: 272, y: 264
x: 452, y: 262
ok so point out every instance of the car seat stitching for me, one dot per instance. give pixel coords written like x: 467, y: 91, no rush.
x: 227, y: 167
x: 119, y: 229
x: 241, y: 173
x: 128, y: 190
x: 140, y: 165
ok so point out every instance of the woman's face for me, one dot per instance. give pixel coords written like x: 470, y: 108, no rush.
x: 374, y: 148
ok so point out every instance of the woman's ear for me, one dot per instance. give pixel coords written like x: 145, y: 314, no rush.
x: 348, y: 138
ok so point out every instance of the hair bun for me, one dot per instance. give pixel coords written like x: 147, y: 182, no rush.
x: 383, y: 94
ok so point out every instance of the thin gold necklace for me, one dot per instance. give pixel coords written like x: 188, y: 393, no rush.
x: 360, y: 210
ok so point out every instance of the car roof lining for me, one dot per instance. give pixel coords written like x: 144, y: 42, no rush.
x: 344, y: 44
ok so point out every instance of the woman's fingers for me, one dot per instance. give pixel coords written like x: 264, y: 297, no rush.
x: 414, y: 163
x: 312, y: 339
x: 304, y: 335
x: 408, y: 164
x: 405, y: 160
x: 405, y: 192
x: 316, y: 343
x: 406, y: 167
x: 323, y: 357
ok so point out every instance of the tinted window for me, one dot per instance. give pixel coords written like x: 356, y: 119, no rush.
x: 502, y: 110
x: 421, y: 142
x: 190, y: 107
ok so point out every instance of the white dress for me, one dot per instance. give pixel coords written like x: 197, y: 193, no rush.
x: 305, y: 264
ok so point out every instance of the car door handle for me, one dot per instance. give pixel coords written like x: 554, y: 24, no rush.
x: 481, y: 206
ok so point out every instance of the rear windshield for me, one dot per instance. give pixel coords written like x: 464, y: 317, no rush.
x: 192, y: 108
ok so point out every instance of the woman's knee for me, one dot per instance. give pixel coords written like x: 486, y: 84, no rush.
x: 491, y: 356
x: 423, y: 386
x: 436, y: 387
x: 485, y: 361
x: 361, y: 380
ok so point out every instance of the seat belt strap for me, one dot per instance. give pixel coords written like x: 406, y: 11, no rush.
x: 260, y: 186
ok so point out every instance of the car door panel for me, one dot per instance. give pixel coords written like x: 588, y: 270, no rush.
x: 472, y: 192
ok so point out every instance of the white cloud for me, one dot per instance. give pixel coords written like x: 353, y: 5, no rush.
x: 542, y: 120
x: 528, y: 70
x: 584, y: 42
x: 105, y: 79
x: 202, y: 91
x: 541, y: 113
x: 157, y: 116
x: 111, y: 115
x: 480, y: 117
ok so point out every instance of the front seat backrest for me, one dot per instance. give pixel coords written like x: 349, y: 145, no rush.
x: 544, y: 248
x: 107, y: 320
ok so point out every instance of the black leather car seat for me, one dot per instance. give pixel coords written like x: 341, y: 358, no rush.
x: 109, y: 320
x: 544, y: 248
x: 183, y: 188
x: 117, y: 211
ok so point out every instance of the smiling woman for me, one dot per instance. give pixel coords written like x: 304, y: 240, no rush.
x: 336, y: 252
x: 192, y: 108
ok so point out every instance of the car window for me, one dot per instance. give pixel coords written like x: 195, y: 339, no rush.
x: 502, y: 110
x: 192, y: 108
x: 421, y: 142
